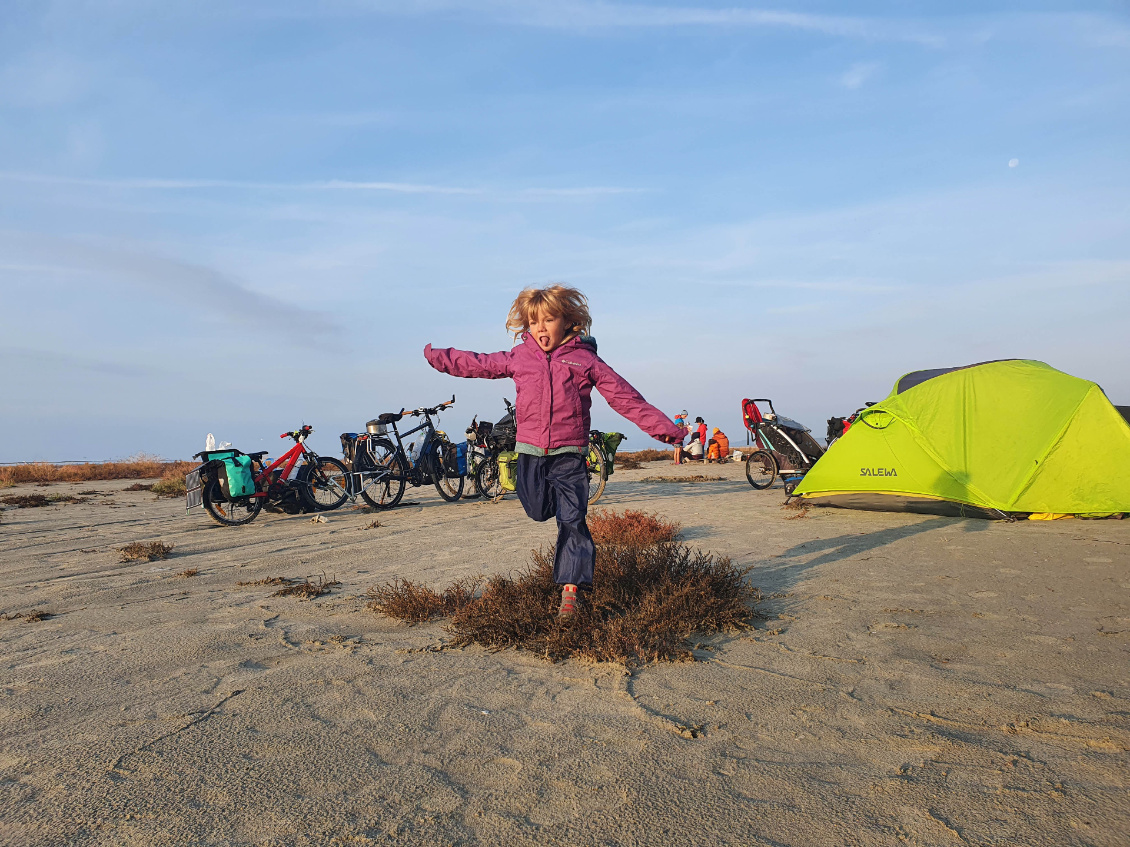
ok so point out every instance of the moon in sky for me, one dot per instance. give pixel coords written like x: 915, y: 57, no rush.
x: 1012, y: 163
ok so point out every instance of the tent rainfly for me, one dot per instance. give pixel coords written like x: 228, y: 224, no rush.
x: 991, y: 440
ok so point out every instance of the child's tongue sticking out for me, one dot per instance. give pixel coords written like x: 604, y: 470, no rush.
x: 549, y: 331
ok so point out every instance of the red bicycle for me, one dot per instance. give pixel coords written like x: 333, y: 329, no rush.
x: 322, y: 482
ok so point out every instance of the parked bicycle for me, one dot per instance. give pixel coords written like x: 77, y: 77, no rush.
x: 486, y: 440
x: 233, y: 487
x: 497, y: 470
x: 381, y: 467
x: 495, y: 460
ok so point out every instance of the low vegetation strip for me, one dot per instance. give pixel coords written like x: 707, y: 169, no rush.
x: 648, y: 455
x: 135, y: 467
x: 651, y: 594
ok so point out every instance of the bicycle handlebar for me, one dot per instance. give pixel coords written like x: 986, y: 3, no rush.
x: 431, y: 410
x: 306, y: 430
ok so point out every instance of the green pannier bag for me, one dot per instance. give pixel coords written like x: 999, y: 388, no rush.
x: 236, y: 478
x: 611, y: 444
x: 508, y: 469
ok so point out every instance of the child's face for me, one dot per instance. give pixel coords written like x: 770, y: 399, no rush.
x: 548, y: 331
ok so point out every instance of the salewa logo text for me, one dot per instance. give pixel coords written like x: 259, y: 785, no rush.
x: 878, y: 472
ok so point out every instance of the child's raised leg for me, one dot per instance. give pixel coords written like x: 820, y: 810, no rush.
x: 559, y: 485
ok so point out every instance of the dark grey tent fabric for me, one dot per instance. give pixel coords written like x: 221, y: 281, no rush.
x: 1125, y: 412
x: 918, y: 377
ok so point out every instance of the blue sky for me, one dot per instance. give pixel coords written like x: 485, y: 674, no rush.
x: 240, y: 216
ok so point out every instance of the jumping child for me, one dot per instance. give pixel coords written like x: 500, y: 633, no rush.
x: 554, y: 369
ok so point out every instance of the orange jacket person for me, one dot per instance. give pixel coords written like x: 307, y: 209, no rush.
x: 719, y: 446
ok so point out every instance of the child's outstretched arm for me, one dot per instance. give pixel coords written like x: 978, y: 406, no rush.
x: 471, y: 365
x: 628, y: 402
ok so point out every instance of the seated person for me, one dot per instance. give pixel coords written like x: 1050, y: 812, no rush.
x: 718, y: 447
x: 693, y: 451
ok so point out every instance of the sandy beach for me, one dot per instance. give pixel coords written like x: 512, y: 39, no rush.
x: 916, y: 680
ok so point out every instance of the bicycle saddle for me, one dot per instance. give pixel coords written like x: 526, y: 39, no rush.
x: 389, y: 417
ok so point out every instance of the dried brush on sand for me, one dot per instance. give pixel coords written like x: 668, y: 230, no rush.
x: 171, y: 484
x: 140, y: 466
x: 145, y: 552
x: 34, y: 616
x: 33, y: 501
x: 648, y: 455
x: 651, y: 594
x: 308, y: 590
x: 631, y: 527
x: 409, y: 601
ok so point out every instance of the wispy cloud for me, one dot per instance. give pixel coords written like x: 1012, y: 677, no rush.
x: 197, y: 184
x: 858, y: 74
x: 64, y: 361
x: 329, y: 185
x: 594, y: 14
x: 200, y: 286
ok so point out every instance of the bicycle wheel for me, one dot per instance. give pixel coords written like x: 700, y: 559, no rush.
x: 760, y: 469
x: 382, y: 485
x: 488, y: 478
x: 326, y: 484
x: 450, y: 488
x: 597, y: 466
x: 226, y: 512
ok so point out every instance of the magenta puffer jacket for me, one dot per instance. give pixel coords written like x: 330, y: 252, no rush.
x: 554, y: 390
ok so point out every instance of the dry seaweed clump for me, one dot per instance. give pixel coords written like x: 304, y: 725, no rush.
x: 648, y: 455
x: 410, y: 601
x: 33, y: 501
x: 645, y: 604
x: 34, y: 616
x: 307, y: 590
x: 171, y: 484
x: 651, y: 594
x: 631, y: 527
x: 140, y: 551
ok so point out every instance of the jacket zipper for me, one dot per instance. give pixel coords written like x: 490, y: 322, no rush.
x: 549, y: 416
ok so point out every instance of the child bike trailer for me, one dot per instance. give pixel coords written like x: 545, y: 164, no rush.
x: 784, y: 447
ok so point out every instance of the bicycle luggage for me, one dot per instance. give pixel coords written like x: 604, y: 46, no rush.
x: 236, y: 478
x: 349, y: 447
x: 508, y: 470
x: 456, y: 459
x: 611, y: 441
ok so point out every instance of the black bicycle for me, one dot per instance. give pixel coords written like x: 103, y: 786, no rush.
x: 493, y: 484
x: 382, y: 469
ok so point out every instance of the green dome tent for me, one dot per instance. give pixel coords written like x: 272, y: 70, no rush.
x: 987, y: 439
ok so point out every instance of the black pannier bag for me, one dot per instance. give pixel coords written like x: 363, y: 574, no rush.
x: 348, y: 447
x: 505, y: 434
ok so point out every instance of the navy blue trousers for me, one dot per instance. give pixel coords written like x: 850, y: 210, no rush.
x: 558, y: 486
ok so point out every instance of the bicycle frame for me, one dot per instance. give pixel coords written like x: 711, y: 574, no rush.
x: 417, y: 470
x: 289, y: 459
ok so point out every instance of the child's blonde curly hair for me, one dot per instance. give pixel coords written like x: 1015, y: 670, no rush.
x: 558, y: 300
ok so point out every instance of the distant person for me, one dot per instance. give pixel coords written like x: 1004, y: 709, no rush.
x: 701, y: 430
x: 555, y: 369
x: 693, y: 451
x: 718, y: 447
x: 681, y: 423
